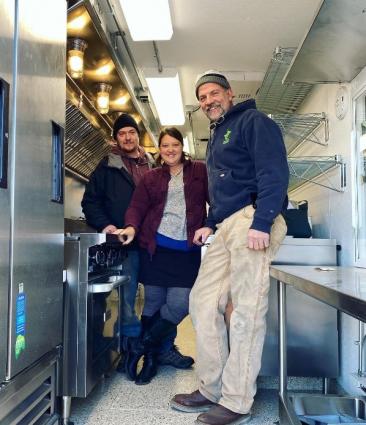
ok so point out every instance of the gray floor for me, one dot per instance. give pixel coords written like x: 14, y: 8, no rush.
x: 119, y: 401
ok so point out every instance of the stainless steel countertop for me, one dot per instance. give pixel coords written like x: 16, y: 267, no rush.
x: 343, y: 288
x: 289, y: 240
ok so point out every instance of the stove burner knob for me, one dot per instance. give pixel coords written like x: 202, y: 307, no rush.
x: 100, y: 257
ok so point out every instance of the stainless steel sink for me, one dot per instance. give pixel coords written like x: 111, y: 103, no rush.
x: 313, y: 409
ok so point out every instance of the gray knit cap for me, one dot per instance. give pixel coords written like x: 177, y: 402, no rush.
x: 212, y: 76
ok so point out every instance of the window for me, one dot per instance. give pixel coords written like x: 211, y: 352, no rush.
x: 360, y: 179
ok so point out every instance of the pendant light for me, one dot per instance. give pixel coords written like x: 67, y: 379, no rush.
x: 75, y: 61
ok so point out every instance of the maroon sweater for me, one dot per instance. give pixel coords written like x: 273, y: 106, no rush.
x: 147, y: 205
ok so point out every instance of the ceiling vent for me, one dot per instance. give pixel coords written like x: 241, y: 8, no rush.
x: 243, y: 96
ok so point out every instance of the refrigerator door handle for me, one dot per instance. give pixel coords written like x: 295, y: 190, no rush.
x: 57, y: 183
x: 103, y: 287
x: 4, y: 132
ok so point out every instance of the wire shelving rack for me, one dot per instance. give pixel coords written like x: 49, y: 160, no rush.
x: 300, y: 128
x: 316, y: 170
x: 273, y: 96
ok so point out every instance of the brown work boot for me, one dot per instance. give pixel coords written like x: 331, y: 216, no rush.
x: 191, y: 403
x: 220, y: 415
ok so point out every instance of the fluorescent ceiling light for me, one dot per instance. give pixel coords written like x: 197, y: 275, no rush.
x: 148, y: 19
x: 167, y: 97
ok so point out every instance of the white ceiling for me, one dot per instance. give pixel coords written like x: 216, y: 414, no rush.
x: 236, y: 36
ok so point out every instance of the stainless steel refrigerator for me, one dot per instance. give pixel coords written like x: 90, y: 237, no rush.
x: 6, y: 81
x: 32, y: 109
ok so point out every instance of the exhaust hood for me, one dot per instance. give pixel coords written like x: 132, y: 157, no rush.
x: 334, y: 49
x: 88, y: 128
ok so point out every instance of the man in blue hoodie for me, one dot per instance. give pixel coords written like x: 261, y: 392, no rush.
x: 248, y: 179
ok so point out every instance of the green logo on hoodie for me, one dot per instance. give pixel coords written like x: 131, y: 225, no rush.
x: 227, y: 137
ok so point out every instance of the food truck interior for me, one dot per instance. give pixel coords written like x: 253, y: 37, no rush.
x: 68, y: 69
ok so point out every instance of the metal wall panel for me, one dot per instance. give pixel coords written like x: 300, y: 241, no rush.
x: 6, y: 46
x: 37, y: 222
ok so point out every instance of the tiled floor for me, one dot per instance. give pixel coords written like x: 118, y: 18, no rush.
x: 119, y: 401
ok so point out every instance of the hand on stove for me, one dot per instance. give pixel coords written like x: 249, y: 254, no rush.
x: 126, y: 235
x: 109, y: 229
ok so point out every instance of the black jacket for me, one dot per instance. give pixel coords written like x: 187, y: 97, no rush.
x: 108, y: 193
x: 247, y: 164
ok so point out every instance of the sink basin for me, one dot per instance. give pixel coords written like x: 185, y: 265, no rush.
x: 314, y: 409
x: 330, y: 420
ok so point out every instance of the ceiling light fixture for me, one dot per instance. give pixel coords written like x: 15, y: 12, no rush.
x: 147, y: 19
x: 166, y: 94
x: 75, y: 60
x: 102, y: 102
x: 122, y: 100
x: 105, y: 69
x: 79, y: 22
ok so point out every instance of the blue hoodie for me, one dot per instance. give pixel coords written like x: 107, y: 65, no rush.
x: 247, y: 165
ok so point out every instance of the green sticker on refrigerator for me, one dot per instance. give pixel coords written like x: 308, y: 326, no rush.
x: 20, y: 322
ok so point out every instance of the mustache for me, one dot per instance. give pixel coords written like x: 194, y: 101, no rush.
x: 214, y: 105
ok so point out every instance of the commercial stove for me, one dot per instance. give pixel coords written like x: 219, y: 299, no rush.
x: 92, y: 303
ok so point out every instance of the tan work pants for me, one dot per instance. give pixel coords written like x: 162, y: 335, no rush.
x: 229, y: 377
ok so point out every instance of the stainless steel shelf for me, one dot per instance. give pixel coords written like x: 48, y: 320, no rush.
x: 309, y: 169
x: 299, y: 128
x: 275, y: 97
x: 333, y: 50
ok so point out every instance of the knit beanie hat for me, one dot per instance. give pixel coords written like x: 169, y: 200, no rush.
x: 212, y: 76
x: 124, y: 120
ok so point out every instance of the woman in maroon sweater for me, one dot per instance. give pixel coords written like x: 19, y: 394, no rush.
x: 167, y: 207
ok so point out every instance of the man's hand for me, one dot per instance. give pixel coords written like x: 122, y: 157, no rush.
x: 201, y: 235
x: 126, y: 235
x: 109, y: 229
x: 257, y: 240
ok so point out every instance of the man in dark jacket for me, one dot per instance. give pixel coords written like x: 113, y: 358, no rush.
x: 248, y: 178
x: 106, y: 199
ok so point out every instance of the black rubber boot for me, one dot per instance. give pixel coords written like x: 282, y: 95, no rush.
x: 136, y: 349
x: 133, y: 355
x: 158, y: 329
x: 149, y: 369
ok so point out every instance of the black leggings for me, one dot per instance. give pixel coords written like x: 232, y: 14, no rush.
x: 173, y: 303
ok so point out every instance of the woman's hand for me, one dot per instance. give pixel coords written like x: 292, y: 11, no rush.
x: 126, y: 236
x: 201, y: 235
